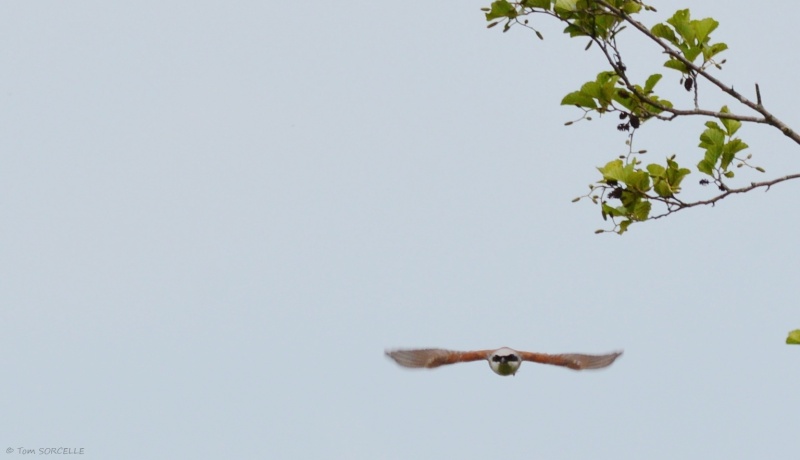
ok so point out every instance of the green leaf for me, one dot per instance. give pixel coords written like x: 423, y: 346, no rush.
x: 593, y: 89
x: 667, y: 182
x: 662, y: 189
x: 703, y: 28
x: 566, y: 5
x: 706, y: 167
x: 692, y: 38
x: 677, y: 65
x: 680, y: 21
x: 671, y: 163
x: 651, y: 82
x: 663, y: 102
x: 623, y: 97
x: 711, y: 51
x: 735, y: 146
x: 712, y: 138
x: 656, y: 170
x: 662, y: 31
x: 607, y: 77
x: 675, y: 176
x: 629, y: 199
x: 690, y: 52
x: 501, y: 9
x: 611, y: 211
x: 731, y: 126
x: 544, y: 4
x: 638, y: 180
x: 574, y: 31
x: 631, y: 7
x: 580, y: 99
x: 615, y: 171
x: 596, y: 94
x: 730, y: 150
x: 794, y: 337
x: 604, y: 88
x: 642, y: 210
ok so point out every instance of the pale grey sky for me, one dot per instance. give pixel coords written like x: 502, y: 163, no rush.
x: 216, y: 216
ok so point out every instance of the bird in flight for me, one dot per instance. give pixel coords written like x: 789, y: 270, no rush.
x: 503, y: 361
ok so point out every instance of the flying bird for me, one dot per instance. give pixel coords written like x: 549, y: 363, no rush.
x: 503, y: 361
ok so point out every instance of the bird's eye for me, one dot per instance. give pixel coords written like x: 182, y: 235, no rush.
x: 496, y: 358
x: 512, y: 358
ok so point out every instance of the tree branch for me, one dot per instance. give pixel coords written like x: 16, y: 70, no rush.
x: 769, y: 118
x: 679, y: 205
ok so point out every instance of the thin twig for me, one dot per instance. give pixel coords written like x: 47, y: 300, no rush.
x: 730, y: 191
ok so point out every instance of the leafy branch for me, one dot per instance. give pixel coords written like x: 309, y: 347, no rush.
x: 628, y: 189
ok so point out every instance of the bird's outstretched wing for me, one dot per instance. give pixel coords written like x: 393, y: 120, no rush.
x: 572, y: 360
x: 434, y: 357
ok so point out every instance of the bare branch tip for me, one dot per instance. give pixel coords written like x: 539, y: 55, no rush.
x: 758, y: 95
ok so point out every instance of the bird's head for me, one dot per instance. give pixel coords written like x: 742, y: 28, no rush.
x: 505, y: 361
